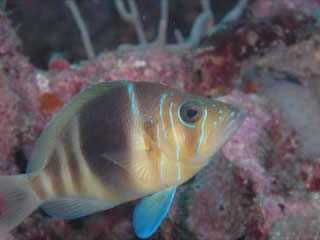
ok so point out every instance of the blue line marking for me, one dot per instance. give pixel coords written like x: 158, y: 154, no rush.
x: 125, y: 82
x: 205, y: 115
x: 233, y: 107
x: 162, y: 99
x: 174, y: 133
x: 132, y: 95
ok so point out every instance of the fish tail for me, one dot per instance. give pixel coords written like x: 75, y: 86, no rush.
x: 17, y: 201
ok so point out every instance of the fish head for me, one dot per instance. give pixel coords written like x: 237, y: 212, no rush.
x: 206, y: 125
x: 190, y: 129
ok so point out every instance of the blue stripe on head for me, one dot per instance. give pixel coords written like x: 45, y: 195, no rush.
x: 162, y: 100
x: 174, y: 133
x: 205, y: 115
x: 234, y: 109
x: 132, y: 95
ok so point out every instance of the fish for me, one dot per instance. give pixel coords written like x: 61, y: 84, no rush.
x: 116, y: 142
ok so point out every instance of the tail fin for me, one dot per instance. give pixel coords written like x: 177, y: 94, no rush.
x: 17, y: 201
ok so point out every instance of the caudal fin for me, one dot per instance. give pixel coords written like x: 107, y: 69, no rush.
x: 17, y: 201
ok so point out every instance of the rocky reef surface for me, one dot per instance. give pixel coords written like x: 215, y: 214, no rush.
x: 264, y: 184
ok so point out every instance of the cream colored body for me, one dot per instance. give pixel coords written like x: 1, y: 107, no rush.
x: 160, y: 151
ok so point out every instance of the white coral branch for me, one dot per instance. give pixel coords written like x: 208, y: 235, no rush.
x: 202, y: 26
x: 132, y: 16
x: 232, y: 16
x: 163, y: 24
x: 3, y: 4
x: 179, y: 36
x: 199, y: 28
x: 74, y: 9
x: 206, y: 6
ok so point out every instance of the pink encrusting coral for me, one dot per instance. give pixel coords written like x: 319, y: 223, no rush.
x: 8, y: 101
x: 8, y: 123
x: 259, y: 187
x: 221, y: 62
x: 250, y: 145
x: 262, y: 8
x: 156, y: 65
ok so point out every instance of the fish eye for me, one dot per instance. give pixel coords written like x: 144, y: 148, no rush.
x: 190, y: 112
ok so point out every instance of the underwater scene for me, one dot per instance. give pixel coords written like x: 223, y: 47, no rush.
x: 160, y: 119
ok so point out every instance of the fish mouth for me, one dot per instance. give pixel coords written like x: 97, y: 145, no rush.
x: 231, y: 127
x: 234, y: 124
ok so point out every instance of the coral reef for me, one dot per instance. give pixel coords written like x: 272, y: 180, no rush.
x: 264, y: 184
x: 220, y: 66
x: 300, y: 62
x: 263, y: 8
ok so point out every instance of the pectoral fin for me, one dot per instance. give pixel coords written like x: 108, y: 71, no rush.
x: 151, y: 211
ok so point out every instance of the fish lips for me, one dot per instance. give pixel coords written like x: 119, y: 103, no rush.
x: 231, y: 127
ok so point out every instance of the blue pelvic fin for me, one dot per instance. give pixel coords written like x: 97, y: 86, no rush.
x: 151, y: 211
x: 74, y: 207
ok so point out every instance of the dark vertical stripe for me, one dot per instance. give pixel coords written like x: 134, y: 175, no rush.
x: 104, y: 135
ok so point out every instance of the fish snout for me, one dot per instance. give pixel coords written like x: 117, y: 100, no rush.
x: 235, y: 121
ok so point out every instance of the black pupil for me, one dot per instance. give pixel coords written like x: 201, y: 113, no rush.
x: 191, y: 113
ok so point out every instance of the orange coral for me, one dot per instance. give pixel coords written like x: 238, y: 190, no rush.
x: 251, y: 87
x: 59, y: 64
x: 50, y: 102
